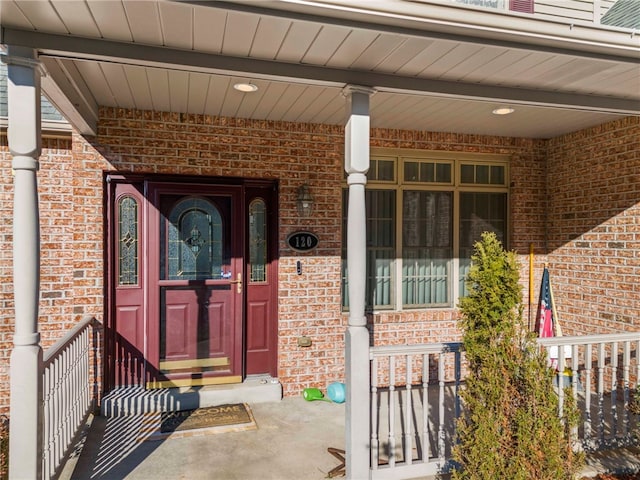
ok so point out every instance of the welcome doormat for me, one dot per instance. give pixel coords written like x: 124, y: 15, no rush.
x: 201, y: 421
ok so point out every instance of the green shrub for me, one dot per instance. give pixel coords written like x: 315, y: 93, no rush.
x: 510, y: 427
x: 634, y: 409
x: 4, y: 447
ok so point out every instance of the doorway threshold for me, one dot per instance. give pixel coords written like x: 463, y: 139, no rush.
x: 137, y: 400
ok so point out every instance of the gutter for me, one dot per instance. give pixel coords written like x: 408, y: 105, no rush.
x: 457, y: 23
x: 50, y: 129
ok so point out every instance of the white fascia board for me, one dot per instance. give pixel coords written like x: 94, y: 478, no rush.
x: 62, y: 47
x: 81, y: 123
x: 70, y: 97
x: 460, y: 21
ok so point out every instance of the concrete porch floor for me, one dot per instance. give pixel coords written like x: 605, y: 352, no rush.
x: 290, y: 442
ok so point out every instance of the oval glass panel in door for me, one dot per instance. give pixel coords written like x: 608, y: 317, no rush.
x: 194, y: 241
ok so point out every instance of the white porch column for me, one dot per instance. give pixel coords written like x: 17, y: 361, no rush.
x: 25, y: 447
x: 357, y: 336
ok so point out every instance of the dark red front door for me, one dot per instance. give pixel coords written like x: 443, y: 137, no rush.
x: 194, y: 282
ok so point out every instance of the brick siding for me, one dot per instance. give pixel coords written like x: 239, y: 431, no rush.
x: 581, y: 231
x: 594, y: 227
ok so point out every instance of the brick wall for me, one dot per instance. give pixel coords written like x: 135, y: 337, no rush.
x: 6, y: 279
x: 71, y: 186
x: 57, y: 295
x: 309, y: 304
x: 593, y: 193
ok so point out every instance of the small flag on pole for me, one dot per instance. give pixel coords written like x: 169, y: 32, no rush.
x: 544, y: 316
x: 547, y: 321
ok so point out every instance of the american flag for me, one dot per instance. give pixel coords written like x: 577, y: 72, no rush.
x: 544, y: 317
x: 547, y: 323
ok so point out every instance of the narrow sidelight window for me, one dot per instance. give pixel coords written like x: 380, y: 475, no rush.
x: 258, y: 241
x: 128, y: 241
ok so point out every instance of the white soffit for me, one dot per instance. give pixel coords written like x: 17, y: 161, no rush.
x: 446, y: 18
x: 185, y: 57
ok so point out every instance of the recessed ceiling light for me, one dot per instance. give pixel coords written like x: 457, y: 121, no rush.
x: 245, y: 87
x: 503, y: 111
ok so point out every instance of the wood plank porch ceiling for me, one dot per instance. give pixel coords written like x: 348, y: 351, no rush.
x: 186, y: 57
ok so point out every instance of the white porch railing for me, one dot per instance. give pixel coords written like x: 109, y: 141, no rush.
x: 415, y: 401
x: 69, y: 391
x: 603, y: 372
x: 414, y: 405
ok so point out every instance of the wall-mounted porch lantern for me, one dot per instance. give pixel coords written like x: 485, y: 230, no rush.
x: 304, y: 201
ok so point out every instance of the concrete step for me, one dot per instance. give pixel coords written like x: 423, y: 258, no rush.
x: 138, y: 400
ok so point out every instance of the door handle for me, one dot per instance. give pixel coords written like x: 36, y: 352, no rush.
x: 238, y: 282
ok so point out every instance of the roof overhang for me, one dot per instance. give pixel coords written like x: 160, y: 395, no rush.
x: 424, y: 55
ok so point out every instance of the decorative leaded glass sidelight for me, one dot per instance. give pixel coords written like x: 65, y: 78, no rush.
x: 258, y: 241
x: 194, y: 249
x: 128, y: 239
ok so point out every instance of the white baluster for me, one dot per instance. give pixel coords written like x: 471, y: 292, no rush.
x: 58, y: 370
x: 46, y: 422
x: 575, y: 353
x: 408, y: 427
x: 392, y: 411
x: 601, y: 359
x: 560, y: 378
x: 441, y: 433
x: 614, y: 389
x: 588, y: 358
x: 458, y: 375
x: 375, y: 454
x: 425, y: 408
x: 626, y: 365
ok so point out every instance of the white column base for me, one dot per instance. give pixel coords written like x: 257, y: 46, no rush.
x: 25, y: 434
x: 358, y: 403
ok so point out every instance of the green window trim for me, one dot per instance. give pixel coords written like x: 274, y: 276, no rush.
x: 421, y: 226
